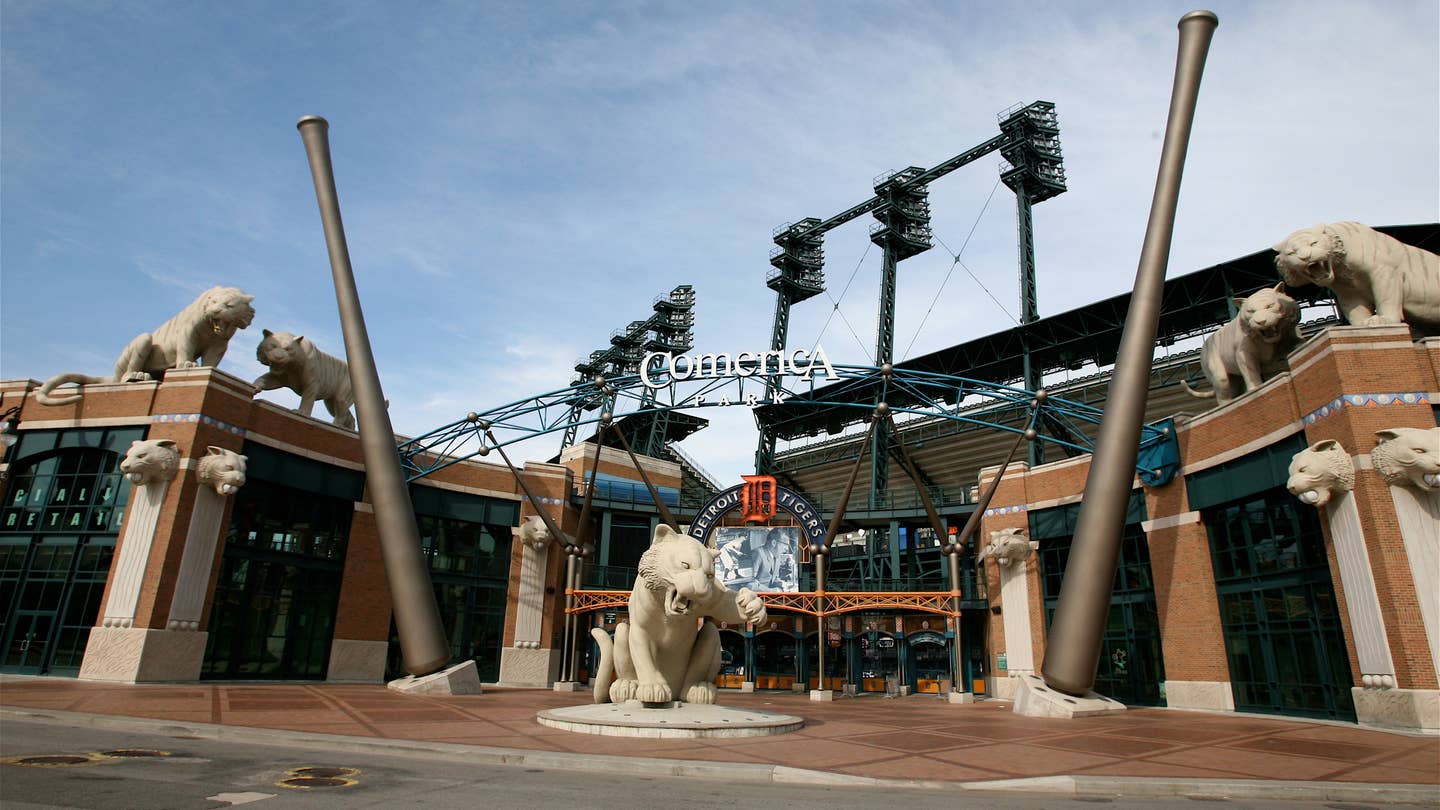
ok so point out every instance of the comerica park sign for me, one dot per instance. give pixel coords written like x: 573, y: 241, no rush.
x: 660, y: 369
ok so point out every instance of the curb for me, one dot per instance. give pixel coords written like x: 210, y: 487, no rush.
x: 1158, y: 787
x: 1077, y: 785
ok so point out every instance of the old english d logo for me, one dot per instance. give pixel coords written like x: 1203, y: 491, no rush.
x: 757, y: 498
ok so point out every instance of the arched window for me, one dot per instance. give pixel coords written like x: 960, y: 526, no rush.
x: 63, y: 503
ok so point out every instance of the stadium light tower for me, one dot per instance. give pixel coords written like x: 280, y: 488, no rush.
x: 668, y: 329
x: 1029, y: 141
x: 1035, y: 170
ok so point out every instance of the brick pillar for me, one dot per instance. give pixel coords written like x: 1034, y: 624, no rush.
x: 1017, y: 611
x: 360, y: 643
x: 1349, y: 384
x: 1197, y: 673
x: 543, y: 588
x: 135, y: 640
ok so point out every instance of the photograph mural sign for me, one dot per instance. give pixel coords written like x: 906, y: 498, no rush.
x: 760, y: 558
x: 765, y: 559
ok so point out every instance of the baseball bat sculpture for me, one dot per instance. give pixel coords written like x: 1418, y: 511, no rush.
x: 1073, y: 651
x: 423, y: 646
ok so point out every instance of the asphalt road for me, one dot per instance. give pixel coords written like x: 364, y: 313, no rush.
x: 158, y: 771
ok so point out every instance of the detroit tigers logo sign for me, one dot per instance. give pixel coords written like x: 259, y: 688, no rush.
x: 757, y: 498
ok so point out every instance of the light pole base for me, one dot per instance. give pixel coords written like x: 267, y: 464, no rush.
x: 962, y: 697
x: 822, y: 694
x: 1034, y: 699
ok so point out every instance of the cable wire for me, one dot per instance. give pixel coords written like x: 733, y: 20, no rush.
x: 956, y: 256
x: 836, y: 308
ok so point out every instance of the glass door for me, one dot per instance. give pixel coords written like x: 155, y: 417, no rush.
x: 30, y: 637
x: 879, y: 663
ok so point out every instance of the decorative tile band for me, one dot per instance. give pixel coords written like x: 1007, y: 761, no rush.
x: 172, y: 418
x: 1364, y: 401
x: 1006, y: 510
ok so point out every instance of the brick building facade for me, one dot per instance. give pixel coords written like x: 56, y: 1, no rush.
x: 1256, y: 608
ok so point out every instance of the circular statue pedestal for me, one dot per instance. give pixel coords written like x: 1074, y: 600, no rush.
x: 635, y: 719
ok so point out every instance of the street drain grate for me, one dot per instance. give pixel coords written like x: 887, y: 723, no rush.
x: 50, y: 760
x: 134, y: 753
x: 319, y: 777
x: 315, y: 782
x: 324, y: 772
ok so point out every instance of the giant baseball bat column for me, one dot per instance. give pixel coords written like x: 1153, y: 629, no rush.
x: 417, y: 617
x: 1073, y: 652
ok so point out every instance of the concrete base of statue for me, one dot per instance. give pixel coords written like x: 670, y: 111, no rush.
x: 460, y: 679
x: 674, y: 720
x: 1034, y: 699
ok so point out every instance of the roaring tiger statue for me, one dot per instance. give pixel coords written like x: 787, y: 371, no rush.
x: 197, y: 336
x: 664, y: 651
x: 150, y: 461
x: 1252, y: 347
x: 1320, y: 472
x: 296, y: 363
x: 222, y: 470
x: 1377, y: 279
x: 1408, y: 457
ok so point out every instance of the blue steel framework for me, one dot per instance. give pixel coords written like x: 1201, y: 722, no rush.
x: 906, y: 391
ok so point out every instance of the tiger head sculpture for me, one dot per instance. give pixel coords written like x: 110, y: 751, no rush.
x: 1008, y: 547
x: 1409, y: 457
x: 1320, y: 472
x: 222, y: 470
x: 149, y: 461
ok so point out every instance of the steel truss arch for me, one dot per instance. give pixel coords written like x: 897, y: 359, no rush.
x: 765, y: 380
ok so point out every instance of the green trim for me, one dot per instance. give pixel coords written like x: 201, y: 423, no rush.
x: 1248, y: 475
x: 35, y: 442
x: 444, y: 503
x: 1060, y: 521
x: 316, y: 477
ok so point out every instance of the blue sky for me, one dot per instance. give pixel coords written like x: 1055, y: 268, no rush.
x: 520, y: 179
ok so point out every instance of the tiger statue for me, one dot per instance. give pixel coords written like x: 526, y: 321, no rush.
x: 663, y: 653
x: 150, y: 461
x: 197, y: 336
x: 1253, y: 346
x: 1377, y: 279
x: 1320, y: 472
x: 1408, y: 457
x: 222, y: 470
x: 296, y: 363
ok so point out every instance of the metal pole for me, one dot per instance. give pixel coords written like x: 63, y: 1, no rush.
x: 958, y: 684
x: 1073, y: 651
x: 820, y: 555
x: 412, y: 598
x: 569, y: 670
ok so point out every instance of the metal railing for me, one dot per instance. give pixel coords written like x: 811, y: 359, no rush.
x: 972, y: 582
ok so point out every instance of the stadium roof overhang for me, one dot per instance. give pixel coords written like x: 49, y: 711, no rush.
x: 1194, y: 303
